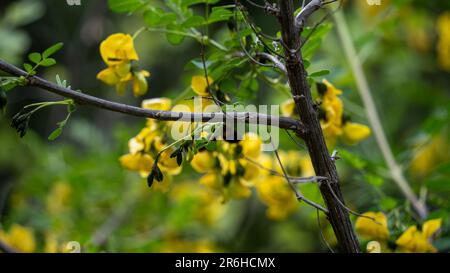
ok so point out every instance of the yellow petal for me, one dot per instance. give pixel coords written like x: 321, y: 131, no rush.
x: 168, y: 164
x: 355, y: 132
x: 135, y: 145
x: 108, y: 76
x: 407, y: 237
x: 140, y: 85
x: 430, y: 227
x: 370, y: 229
x: 251, y: 145
x: 118, y: 48
x: 123, y: 70
x: 203, y: 162
x: 331, y: 90
x: 137, y: 162
x: 159, y: 104
x: 200, y: 85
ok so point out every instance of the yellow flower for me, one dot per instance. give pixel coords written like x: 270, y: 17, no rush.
x: 275, y: 193
x: 59, y: 196
x: 430, y: 227
x: 370, y: 229
x: 159, y: 104
x: 167, y: 164
x: 251, y: 145
x: 19, y: 238
x: 203, y: 162
x: 355, y: 132
x: 334, y: 109
x: 118, y: 48
x: 139, y: 162
x: 140, y: 85
x: 414, y: 240
x: 332, y: 121
x: 200, y: 85
x: 443, y: 46
x: 118, y: 52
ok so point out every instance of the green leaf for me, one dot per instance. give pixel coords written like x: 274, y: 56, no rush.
x: 194, y: 21
x: 35, y: 57
x: 48, y: 62
x: 320, y: 73
x: 52, y: 50
x: 55, y: 134
x: 158, y: 17
x: 388, y: 203
x: 174, y: 39
x: 186, y: 3
x: 28, y: 67
x: 8, y: 84
x: 219, y: 14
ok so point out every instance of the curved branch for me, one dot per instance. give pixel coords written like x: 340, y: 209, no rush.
x: 80, y: 98
x: 308, y: 10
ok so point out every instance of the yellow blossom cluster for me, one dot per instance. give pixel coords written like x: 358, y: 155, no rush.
x: 119, y: 54
x: 332, y: 120
x: 151, y: 141
x: 411, y: 240
x: 229, y: 171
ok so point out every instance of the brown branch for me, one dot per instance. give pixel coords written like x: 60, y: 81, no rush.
x: 84, y: 99
x: 314, y: 139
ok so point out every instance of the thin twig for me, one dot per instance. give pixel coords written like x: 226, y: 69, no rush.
x: 347, y: 208
x: 298, y: 194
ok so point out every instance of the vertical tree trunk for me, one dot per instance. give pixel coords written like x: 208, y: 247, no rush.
x: 315, y: 141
